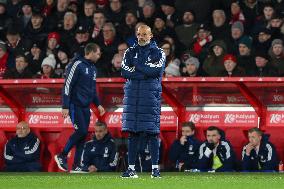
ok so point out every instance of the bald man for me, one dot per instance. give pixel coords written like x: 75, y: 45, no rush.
x: 22, y: 153
x: 143, y: 66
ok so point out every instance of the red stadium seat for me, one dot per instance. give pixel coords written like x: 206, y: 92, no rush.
x: 3, y: 141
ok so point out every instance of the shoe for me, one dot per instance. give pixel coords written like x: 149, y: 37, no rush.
x: 78, y: 170
x: 129, y: 173
x: 155, y: 173
x: 61, y: 162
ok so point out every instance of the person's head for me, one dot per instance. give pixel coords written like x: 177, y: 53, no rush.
x: 89, y: 7
x: 109, y: 31
x: 116, y: 61
x: 172, y: 70
x: 148, y: 8
x: 218, y: 50
x: 21, y: 62
x: 130, y: 18
x: 70, y: 20
x: 62, y: 54
x: 48, y: 64
x: 27, y: 8
x: 213, y: 135
x: 277, y: 47
x: 53, y: 39
x: 264, y: 35
x: 261, y: 58
x: 49, y: 2
x: 92, y: 52
x: 99, y: 18
x: 167, y: 48
x: 36, y: 48
x: 36, y: 20
x: 73, y: 6
x: 22, y: 129
x: 188, y: 129
x: 219, y: 18
x: 3, y: 48
x: 82, y: 34
x: 235, y: 8
x: 13, y: 36
x: 245, y: 45
x: 230, y: 62
x: 203, y: 31
x: 159, y: 21
x: 255, y: 136
x: 2, y: 8
x: 115, y: 5
x: 237, y: 30
x: 188, y: 17
x: 121, y: 48
x: 100, y: 130
x: 62, y: 5
x: 192, y: 65
x: 144, y: 35
x: 276, y: 21
x: 268, y: 11
x: 168, y: 7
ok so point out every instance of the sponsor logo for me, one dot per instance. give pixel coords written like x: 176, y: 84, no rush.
x: 196, y: 118
x: 114, y: 119
x: 278, y: 98
x: 237, y: 118
x: 43, y: 119
x: 276, y: 118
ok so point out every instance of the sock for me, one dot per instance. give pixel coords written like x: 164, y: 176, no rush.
x: 155, y: 166
x: 132, y: 167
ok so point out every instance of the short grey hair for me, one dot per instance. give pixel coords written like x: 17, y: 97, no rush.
x: 220, y: 12
x: 71, y: 14
x: 109, y: 24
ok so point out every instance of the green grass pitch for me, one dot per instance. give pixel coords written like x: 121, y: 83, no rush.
x: 168, y: 180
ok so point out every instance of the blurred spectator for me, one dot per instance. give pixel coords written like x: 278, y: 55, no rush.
x: 216, y: 153
x: 262, y: 67
x: 121, y: 48
x: 35, y: 57
x: 127, y: 29
x: 251, y: 10
x: 202, y: 8
x: 49, y: 7
x: 237, y: 31
x: 99, y: 20
x: 69, y: 27
x: 24, y: 16
x: 73, y: 6
x: 22, y: 152
x: 188, y: 29
x: 102, y: 4
x: 220, y: 29
x: 148, y: 10
x: 116, y: 12
x: 259, y: 154
x: 87, y: 18
x: 172, y: 70
x: 5, y: 59
x: 47, y: 68
x: 231, y: 67
x: 275, y: 25
x: 53, y: 40
x: 236, y: 13
x: 13, y: 8
x: 36, y: 29
x: 21, y: 71
x: 170, y: 56
x: 108, y: 46
x: 202, y: 42
x: 184, y: 151
x: 5, y: 20
x: 191, y: 68
x: 78, y: 44
x: 168, y: 8
x: 276, y: 53
x: 263, y: 40
x: 63, y: 61
x: 213, y: 64
x: 245, y: 59
x: 116, y: 66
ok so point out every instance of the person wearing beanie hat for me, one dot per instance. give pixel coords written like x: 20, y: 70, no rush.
x: 53, y: 41
x: 246, y: 41
x: 160, y: 30
x: 263, y: 41
x: 276, y: 53
x: 262, y: 66
x: 192, y: 66
x: 48, y: 66
x: 172, y: 70
x: 168, y: 8
x: 231, y: 68
x: 245, y: 59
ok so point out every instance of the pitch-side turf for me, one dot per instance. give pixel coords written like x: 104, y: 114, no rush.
x: 168, y: 180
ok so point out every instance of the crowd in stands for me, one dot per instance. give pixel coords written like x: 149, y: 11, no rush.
x: 39, y: 38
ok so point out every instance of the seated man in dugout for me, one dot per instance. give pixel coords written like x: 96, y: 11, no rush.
x: 259, y: 154
x: 22, y: 152
x: 216, y: 153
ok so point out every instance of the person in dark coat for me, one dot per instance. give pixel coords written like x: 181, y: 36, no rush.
x: 143, y: 65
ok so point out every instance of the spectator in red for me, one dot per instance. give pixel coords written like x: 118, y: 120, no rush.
x: 213, y: 64
x: 21, y: 71
x: 53, y: 41
x: 99, y: 20
x: 101, y: 4
x: 47, y: 68
x: 236, y: 13
x: 276, y: 53
x: 202, y: 42
x: 231, y: 67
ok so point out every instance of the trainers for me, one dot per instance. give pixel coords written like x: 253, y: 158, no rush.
x: 61, y: 162
x: 129, y: 173
x: 78, y: 170
x: 155, y: 173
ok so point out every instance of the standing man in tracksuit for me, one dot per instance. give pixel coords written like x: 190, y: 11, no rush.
x: 143, y: 65
x: 79, y: 92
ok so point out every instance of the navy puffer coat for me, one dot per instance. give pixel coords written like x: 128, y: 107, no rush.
x: 143, y: 68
